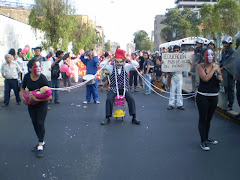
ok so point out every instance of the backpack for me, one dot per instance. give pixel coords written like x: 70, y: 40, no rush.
x: 55, y: 73
x: 151, y: 69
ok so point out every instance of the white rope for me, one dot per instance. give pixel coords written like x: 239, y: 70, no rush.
x: 146, y: 82
x: 162, y: 89
x: 115, y: 69
x: 77, y: 85
x: 124, y: 81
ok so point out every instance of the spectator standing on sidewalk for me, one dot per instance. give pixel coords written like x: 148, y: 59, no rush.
x: 207, y: 95
x: 228, y: 81
x: 30, y: 53
x: 66, y: 78
x: 37, y: 55
x: 146, y: 73
x: 55, y: 75
x: 158, y: 75
x: 11, y: 72
x: 105, y: 74
x: 20, y: 61
x: 13, y: 53
x: 155, y: 56
x: 133, y: 76
x: 140, y: 69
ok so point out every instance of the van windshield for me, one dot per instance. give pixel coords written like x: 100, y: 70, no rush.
x: 188, y: 47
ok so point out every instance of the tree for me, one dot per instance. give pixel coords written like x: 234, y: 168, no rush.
x: 85, y: 36
x: 211, y: 20
x: 180, y: 24
x: 55, y: 18
x: 167, y: 33
x: 142, y: 41
x: 107, y: 46
x: 229, y: 16
x: 221, y: 18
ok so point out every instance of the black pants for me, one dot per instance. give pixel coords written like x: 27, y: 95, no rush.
x: 8, y: 85
x: 133, y: 77
x: 206, y: 108
x: 230, y: 89
x: 38, y: 115
x: 238, y: 92
x: 66, y: 80
x: 111, y: 98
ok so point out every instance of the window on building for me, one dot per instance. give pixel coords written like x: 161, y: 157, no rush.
x: 190, y: 7
x: 203, y: 0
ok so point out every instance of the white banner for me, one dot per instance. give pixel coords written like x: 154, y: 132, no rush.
x: 25, y: 68
x: 173, y: 62
x: 46, y: 65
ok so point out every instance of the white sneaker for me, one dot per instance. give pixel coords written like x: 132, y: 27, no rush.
x: 211, y: 141
x: 204, y: 146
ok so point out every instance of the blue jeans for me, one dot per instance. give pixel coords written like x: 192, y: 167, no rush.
x: 147, y: 83
x: 55, y: 83
x: 8, y: 85
x: 92, y: 90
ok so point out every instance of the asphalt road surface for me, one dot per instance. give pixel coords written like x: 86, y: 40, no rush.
x: 164, y: 147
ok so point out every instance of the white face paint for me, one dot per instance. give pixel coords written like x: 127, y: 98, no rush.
x: 37, y: 68
x: 209, y: 56
x: 119, y: 62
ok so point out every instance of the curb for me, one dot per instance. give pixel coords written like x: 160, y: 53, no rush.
x: 229, y: 115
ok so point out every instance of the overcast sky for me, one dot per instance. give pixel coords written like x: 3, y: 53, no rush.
x: 121, y: 18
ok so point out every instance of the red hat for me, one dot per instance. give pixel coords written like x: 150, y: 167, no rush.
x: 120, y: 54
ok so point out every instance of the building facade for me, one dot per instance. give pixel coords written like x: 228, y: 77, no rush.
x: 194, y: 4
x: 130, y: 48
x: 114, y: 46
x: 100, y: 36
x: 157, y: 30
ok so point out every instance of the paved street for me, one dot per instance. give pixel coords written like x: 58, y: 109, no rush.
x: 165, y: 146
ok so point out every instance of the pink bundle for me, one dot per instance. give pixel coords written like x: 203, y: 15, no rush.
x: 38, y: 95
x: 119, y: 101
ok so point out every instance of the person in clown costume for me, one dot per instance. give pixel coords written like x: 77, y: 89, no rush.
x: 207, y: 95
x: 119, y: 84
x: 32, y: 81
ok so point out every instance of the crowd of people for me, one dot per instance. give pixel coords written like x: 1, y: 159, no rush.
x: 122, y: 74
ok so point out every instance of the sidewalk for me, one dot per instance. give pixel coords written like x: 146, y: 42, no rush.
x: 187, y: 87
